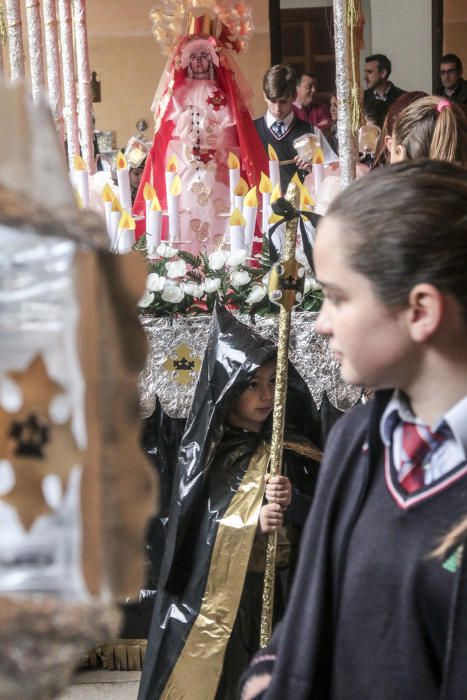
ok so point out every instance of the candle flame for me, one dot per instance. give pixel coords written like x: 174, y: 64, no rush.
x: 276, y: 193
x: 127, y: 221
x: 232, y: 162
x: 172, y: 164
x: 176, y: 186
x: 121, y: 162
x: 237, y: 219
x: 241, y: 189
x: 318, y: 157
x: 108, y: 194
x: 79, y: 163
x: 155, y: 204
x: 251, y: 199
x: 272, y: 153
x: 116, y: 206
x: 265, y: 184
x: 148, y: 191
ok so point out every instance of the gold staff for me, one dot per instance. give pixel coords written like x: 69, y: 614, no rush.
x: 286, y: 283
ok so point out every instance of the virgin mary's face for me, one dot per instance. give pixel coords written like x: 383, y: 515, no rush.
x: 200, y: 63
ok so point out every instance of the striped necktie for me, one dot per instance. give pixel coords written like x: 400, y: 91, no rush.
x: 417, y: 442
x: 278, y: 129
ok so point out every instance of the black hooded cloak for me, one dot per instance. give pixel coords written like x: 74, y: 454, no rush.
x: 217, y: 494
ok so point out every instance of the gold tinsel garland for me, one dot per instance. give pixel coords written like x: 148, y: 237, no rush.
x: 355, y: 23
x: 3, y: 32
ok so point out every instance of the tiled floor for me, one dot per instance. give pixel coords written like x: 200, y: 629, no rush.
x: 99, y: 685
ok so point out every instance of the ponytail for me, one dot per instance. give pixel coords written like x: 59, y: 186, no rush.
x: 434, y: 128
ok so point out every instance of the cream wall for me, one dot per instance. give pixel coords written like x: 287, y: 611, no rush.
x: 129, y: 63
x: 402, y: 31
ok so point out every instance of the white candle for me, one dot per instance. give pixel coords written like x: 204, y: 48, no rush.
x: 153, y: 227
x: 148, y: 193
x: 173, y: 208
x: 125, y: 233
x: 115, y: 216
x: 266, y: 211
x: 250, y: 209
x: 274, y: 171
x: 123, y: 179
x: 238, y: 202
x: 234, y: 176
x: 108, y: 197
x: 81, y: 179
x: 265, y: 187
x: 236, y: 230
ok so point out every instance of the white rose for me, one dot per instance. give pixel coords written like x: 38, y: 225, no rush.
x: 146, y: 300
x: 217, y: 259
x: 238, y: 257
x: 258, y: 292
x: 211, y: 284
x: 173, y: 294
x: 311, y: 285
x: 239, y: 278
x: 164, y: 250
x: 155, y: 282
x: 265, y: 279
x: 176, y: 268
x: 193, y: 289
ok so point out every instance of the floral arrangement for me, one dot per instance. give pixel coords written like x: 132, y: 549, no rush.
x: 179, y: 282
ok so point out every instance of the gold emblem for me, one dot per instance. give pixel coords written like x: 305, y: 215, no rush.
x: 183, y: 364
x: 286, y: 283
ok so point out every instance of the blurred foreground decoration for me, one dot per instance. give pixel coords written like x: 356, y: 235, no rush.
x: 75, y: 489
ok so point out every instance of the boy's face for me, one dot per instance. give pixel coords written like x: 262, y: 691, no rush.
x: 280, y: 108
x: 371, y: 341
x: 255, y: 403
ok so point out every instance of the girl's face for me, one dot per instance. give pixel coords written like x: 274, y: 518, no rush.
x: 370, y: 340
x: 255, y: 403
x: 333, y: 108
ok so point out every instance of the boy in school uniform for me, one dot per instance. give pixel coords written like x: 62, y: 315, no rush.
x: 279, y: 127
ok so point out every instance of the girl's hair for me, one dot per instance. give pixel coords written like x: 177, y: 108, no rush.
x: 407, y: 224
x: 432, y: 127
x: 394, y: 109
x: 376, y: 112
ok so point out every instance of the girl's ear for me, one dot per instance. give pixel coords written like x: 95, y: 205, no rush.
x: 426, y: 306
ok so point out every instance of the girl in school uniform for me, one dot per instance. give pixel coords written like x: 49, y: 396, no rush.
x: 378, y: 607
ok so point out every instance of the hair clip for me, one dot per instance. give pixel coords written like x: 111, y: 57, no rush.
x: 443, y: 104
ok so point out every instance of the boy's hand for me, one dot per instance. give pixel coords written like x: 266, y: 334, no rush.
x: 270, y: 518
x: 279, y: 490
x: 303, y: 164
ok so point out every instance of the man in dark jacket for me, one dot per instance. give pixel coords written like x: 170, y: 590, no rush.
x: 377, y: 71
x: 453, y: 87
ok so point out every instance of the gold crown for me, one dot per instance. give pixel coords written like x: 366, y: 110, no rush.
x: 204, y: 23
